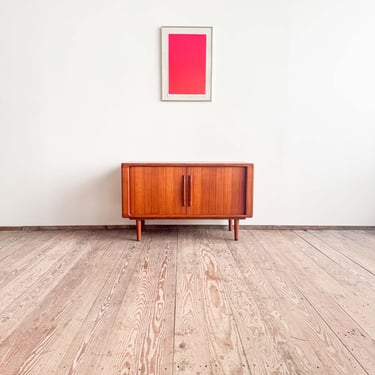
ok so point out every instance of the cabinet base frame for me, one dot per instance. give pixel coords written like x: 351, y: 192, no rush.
x: 140, y: 226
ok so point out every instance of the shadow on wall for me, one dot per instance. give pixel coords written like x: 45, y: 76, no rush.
x: 95, y: 200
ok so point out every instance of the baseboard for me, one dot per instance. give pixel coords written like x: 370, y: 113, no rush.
x: 64, y: 227
x: 307, y: 227
x: 163, y: 226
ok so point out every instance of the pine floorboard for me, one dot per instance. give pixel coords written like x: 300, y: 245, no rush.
x: 187, y: 301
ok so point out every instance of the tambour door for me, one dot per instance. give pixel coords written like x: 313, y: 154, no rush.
x: 216, y: 191
x: 157, y: 191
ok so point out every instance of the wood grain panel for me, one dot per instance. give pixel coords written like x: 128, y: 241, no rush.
x: 219, y: 191
x: 187, y: 301
x: 192, y: 354
x: 156, y: 191
x: 325, y: 295
x: 286, y: 337
x: 349, y: 274
x: 20, y: 296
x: 365, y: 238
x: 141, y: 338
x: 7, y: 239
x: 207, y: 340
x: 92, y: 324
x: 33, y: 329
x: 17, y: 255
x: 253, y: 324
x: 362, y: 255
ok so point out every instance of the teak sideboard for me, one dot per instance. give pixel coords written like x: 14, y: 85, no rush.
x: 187, y: 191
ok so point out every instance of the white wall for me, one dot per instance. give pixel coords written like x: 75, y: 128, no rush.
x: 293, y: 92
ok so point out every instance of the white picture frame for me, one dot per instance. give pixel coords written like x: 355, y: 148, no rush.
x: 186, y: 63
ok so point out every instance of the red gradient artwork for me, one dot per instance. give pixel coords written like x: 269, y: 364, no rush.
x: 187, y: 64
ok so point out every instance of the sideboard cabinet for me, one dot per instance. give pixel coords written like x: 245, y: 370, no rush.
x: 187, y: 191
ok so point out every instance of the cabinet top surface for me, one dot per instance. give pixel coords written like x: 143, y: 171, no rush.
x: 187, y: 164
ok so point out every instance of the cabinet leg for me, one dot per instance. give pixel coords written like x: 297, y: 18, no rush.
x: 236, y: 228
x: 230, y: 225
x: 139, y: 229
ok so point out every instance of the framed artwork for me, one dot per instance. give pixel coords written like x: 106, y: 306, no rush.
x: 186, y: 63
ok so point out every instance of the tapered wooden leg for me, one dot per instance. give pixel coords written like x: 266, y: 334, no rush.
x: 139, y: 229
x: 230, y: 225
x: 236, y: 228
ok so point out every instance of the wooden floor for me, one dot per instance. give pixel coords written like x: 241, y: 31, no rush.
x: 187, y: 301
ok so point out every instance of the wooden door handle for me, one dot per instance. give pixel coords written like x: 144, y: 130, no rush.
x: 190, y: 182
x: 183, y: 191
